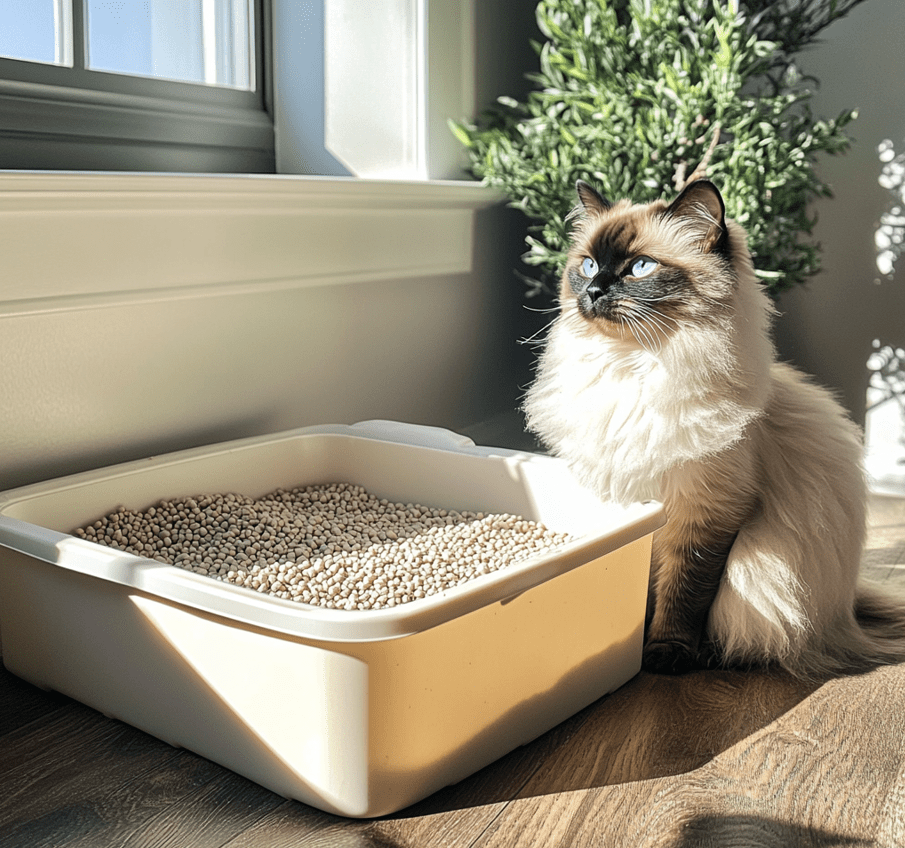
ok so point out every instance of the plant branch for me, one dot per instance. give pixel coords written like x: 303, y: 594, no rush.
x: 701, y: 171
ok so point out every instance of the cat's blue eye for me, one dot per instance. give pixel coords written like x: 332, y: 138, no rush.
x: 589, y: 267
x: 643, y: 266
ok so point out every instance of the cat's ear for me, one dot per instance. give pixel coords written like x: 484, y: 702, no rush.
x: 701, y: 205
x: 591, y: 199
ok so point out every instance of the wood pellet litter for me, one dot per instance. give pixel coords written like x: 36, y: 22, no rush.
x: 332, y: 545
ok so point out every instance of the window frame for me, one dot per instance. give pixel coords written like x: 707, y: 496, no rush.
x: 54, y: 117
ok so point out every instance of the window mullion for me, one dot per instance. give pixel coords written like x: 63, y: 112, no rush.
x: 79, y: 37
x: 62, y: 32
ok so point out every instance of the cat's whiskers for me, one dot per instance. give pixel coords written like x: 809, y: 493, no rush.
x: 565, y: 313
x: 650, y: 327
x: 575, y: 318
x: 649, y: 340
x: 657, y: 319
x: 537, y: 337
x: 658, y: 298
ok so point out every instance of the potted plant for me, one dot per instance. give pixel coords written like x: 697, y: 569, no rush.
x: 637, y: 97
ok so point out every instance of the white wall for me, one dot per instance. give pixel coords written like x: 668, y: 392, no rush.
x: 145, y: 314
x: 828, y: 326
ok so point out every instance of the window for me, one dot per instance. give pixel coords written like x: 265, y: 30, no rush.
x: 148, y: 85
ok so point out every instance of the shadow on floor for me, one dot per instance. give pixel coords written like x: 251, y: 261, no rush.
x: 654, y: 726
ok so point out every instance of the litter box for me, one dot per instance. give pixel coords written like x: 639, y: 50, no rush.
x: 358, y: 713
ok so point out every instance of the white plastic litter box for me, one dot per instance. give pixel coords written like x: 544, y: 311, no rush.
x: 358, y: 713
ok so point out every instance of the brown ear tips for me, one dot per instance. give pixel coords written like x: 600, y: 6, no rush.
x: 701, y: 203
x: 700, y: 197
x: 591, y: 199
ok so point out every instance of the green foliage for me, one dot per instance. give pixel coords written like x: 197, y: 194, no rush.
x: 629, y: 96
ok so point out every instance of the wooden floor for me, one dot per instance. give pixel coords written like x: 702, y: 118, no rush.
x: 722, y: 759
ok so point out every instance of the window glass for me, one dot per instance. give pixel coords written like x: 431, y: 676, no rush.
x: 199, y: 41
x: 36, y: 30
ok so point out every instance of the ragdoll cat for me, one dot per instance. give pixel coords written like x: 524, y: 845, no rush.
x: 659, y: 381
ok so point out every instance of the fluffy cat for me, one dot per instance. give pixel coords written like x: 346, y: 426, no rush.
x: 659, y: 380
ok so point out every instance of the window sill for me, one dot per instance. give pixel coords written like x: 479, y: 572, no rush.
x: 89, y: 240
x: 150, y: 122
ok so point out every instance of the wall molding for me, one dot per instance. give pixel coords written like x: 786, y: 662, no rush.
x: 73, y: 241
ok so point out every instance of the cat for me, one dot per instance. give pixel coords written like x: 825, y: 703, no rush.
x: 659, y: 380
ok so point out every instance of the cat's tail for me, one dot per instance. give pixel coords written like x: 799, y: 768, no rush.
x: 880, y: 613
x: 855, y: 643
x: 871, y: 634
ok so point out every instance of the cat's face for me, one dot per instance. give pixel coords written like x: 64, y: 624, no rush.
x: 640, y: 272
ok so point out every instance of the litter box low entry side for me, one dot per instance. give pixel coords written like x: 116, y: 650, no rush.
x: 358, y: 713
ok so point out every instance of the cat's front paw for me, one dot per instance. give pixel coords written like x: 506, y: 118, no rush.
x: 668, y: 657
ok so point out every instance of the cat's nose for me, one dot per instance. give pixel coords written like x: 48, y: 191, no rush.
x: 594, y: 291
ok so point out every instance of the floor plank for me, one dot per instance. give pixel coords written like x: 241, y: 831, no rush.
x: 55, y: 771
x: 111, y: 815
x: 659, y: 726
x: 20, y: 702
x: 884, y: 554
x: 221, y: 809
x: 826, y: 772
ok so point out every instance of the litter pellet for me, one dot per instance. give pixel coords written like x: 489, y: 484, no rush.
x: 332, y: 545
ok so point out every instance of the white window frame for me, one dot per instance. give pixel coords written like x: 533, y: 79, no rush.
x: 70, y: 118
x: 328, y: 106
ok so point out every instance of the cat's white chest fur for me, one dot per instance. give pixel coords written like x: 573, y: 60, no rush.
x: 625, y: 418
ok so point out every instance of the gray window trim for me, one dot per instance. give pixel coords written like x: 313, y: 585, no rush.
x: 56, y: 118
